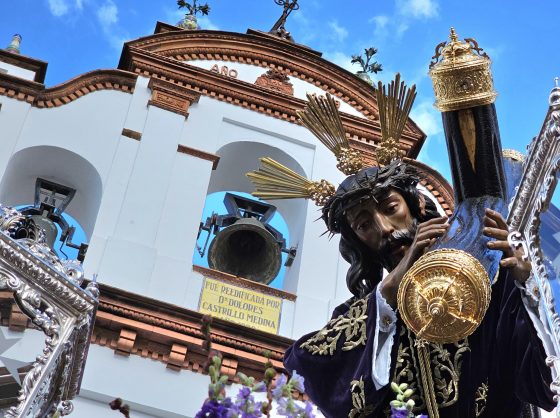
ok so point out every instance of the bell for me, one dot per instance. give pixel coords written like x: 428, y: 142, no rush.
x: 246, y: 249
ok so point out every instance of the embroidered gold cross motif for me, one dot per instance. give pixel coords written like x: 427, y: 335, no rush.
x: 353, y: 325
x: 360, y: 409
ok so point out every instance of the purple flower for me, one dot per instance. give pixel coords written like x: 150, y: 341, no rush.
x: 259, y: 387
x: 308, y: 411
x: 245, y: 405
x: 214, y: 409
x: 399, y: 413
x: 278, y: 391
x: 297, y: 382
x: 244, y: 394
x: 422, y: 416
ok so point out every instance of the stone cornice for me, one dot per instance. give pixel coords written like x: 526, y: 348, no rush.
x: 268, y: 52
x: 172, y: 97
x: 133, y: 324
x: 203, y: 155
x: 37, y: 95
x: 37, y: 66
x: 251, y: 96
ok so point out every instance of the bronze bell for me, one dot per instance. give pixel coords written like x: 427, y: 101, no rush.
x: 246, y: 249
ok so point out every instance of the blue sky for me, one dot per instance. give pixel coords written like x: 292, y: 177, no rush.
x: 75, y: 36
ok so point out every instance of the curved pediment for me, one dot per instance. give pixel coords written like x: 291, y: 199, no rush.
x: 226, y: 62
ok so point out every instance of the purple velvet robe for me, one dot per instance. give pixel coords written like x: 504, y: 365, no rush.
x: 493, y: 373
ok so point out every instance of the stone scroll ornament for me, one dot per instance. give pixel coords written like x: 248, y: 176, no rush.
x: 49, y: 292
x: 540, y: 174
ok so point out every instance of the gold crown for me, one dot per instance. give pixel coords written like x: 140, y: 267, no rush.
x: 461, y: 76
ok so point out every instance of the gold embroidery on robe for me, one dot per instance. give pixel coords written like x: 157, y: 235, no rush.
x: 407, y: 370
x: 353, y: 325
x: 481, y: 395
x: 445, y: 362
x: 360, y: 409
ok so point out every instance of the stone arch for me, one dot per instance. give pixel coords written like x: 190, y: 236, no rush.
x: 236, y: 159
x: 17, y: 186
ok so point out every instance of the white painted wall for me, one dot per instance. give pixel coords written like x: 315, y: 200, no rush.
x: 145, y: 208
x: 17, y: 71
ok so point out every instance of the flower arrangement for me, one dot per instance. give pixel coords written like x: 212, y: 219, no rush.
x: 402, y: 406
x: 218, y: 405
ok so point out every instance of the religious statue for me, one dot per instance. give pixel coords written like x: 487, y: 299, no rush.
x: 451, y: 316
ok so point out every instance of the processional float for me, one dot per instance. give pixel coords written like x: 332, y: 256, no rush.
x: 445, y: 295
x: 49, y: 292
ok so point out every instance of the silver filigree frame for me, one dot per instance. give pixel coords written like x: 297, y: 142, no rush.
x: 48, y: 292
x: 533, y: 196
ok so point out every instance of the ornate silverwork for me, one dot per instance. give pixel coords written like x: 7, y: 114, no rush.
x: 531, y: 200
x: 47, y: 290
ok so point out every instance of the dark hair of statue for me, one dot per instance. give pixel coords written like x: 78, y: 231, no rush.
x: 365, y: 271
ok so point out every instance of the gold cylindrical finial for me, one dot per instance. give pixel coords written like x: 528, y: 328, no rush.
x: 461, y: 76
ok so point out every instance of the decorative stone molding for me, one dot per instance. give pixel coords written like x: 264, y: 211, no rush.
x: 125, y: 343
x: 163, y: 55
x: 37, y: 95
x: 172, y: 97
x: 129, y: 133
x: 177, y: 357
x: 277, y: 81
x: 229, y: 367
x: 215, y: 159
x: 37, y: 66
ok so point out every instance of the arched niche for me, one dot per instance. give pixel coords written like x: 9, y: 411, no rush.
x: 61, y: 166
x: 238, y: 158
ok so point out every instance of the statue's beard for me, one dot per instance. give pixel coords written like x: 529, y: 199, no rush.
x: 389, y: 253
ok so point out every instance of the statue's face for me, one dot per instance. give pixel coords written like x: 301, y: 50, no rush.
x: 385, y: 225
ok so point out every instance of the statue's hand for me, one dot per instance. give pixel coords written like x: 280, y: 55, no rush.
x: 496, y: 227
x: 426, y: 234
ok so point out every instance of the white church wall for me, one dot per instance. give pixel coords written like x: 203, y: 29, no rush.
x: 13, y: 114
x: 17, y: 186
x: 249, y: 73
x: 214, y: 126
x: 90, y: 127
x: 147, y: 385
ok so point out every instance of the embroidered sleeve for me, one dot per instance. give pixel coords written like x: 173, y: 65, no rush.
x: 352, y: 325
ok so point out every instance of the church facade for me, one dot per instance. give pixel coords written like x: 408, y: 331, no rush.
x: 186, y: 114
